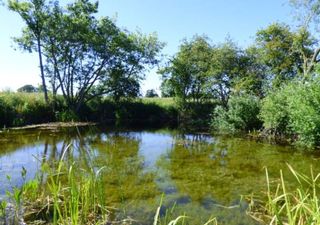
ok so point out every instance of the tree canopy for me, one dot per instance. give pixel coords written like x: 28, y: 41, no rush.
x: 84, y: 56
x: 151, y: 93
x: 28, y: 88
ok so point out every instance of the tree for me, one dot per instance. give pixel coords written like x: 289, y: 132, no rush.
x: 87, y: 57
x: 278, y: 53
x: 224, y: 68
x: 307, y: 12
x: 201, y: 71
x: 167, y: 89
x: 34, y: 14
x: 252, y: 78
x: 151, y: 93
x: 28, y: 88
x: 140, y: 53
x: 187, y: 72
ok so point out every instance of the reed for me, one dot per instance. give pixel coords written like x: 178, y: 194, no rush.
x: 289, y: 206
x: 69, y: 195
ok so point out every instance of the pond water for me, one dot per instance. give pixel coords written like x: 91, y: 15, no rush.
x: 198, y: 175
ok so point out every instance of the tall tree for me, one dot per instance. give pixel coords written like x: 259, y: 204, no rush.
x: 224, y: 68
x: 252, y: 78
x: 34, y: 14
x: 187, y: 72
x: 140, y: 53
x: 276, y: 43
x: 28, y: 88
x: 87, y: 57
x: 307, y: 13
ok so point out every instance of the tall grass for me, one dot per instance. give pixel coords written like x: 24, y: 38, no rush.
x: 68, y: 195
x: 289, y: 206
x: 75, y: 195
x: 18, y: 109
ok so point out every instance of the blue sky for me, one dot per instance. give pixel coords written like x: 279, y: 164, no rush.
x: 172, y: 20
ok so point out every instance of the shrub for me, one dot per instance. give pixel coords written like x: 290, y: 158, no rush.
x: 241, y: 114
x: 294, y: 111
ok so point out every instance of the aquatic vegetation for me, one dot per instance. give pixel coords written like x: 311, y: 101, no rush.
x: 68, y: 195
x: 283, y: 204
x: 180, y: 220
x: 202, y: 176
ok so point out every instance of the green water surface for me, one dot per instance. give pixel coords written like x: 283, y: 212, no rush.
x: 200, y: 175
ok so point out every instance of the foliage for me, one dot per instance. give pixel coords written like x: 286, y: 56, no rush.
x: 166, y: 88
x: 85, y: 57
x: 151, y: 93
x: 252, y: 77
x: 186, y: 73
x: 147, y: 111
x: 293, y: 111
x: 225, y: 68
x: 241, y: 114
x: 28, y: 88
x: 201, y: 71
x: 278, y: 53
x: 18, y: 109
x: 23, y: 108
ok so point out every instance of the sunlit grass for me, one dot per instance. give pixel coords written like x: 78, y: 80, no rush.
x: 283, y: 206
x: 164, y: 102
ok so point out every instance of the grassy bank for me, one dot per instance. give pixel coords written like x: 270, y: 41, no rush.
x: 19, y: 109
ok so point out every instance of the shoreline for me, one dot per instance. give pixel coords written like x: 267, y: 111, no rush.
x: 51, y: 125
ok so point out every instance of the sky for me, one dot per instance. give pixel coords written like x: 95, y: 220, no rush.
x: 172, y: 20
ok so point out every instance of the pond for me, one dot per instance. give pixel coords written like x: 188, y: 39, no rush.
x: 197, y: 175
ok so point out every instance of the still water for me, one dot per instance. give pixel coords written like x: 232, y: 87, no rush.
x: 197, y: 175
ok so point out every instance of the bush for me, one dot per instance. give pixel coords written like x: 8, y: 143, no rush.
x: 294, y: 111
x: 241, y: 114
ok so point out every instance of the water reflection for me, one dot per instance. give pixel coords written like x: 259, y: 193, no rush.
x: 201, y: 175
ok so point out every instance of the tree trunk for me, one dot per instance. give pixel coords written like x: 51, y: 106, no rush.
x: 42, y: 72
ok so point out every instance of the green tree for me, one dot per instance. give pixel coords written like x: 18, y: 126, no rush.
x: 252, y: 78
x: 224, y: 68
x: 151, y: 93
x: 187, y: 72
x: 28, y: 88
x: 278, y: 53
x: 307, y: 13
x: 167, y: 89
x: 34, y: 14
x: 140, y: 52
x: 86, y: 57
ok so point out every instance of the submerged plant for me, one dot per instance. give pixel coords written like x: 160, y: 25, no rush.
x: 180, y: 220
